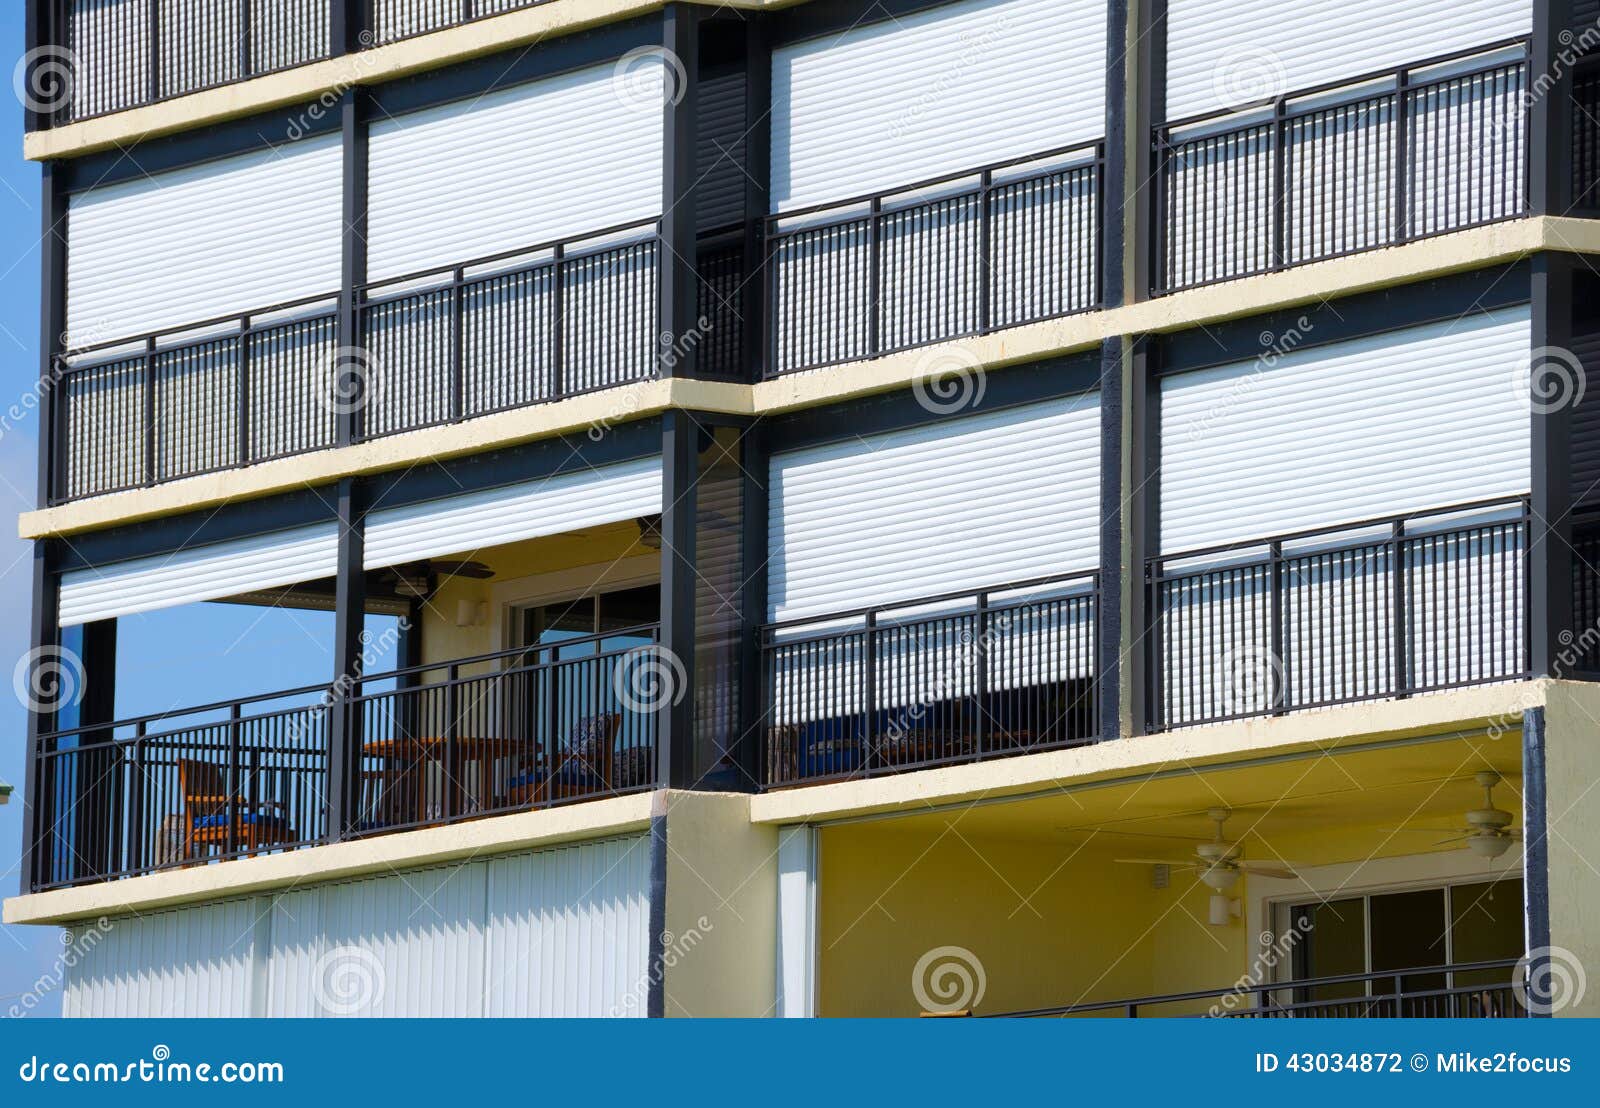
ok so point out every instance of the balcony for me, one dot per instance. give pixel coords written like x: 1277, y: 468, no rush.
x: 1383, y: 608
x: 123, y: 54
x: 936, y: 681
x: 433, y: 744
x: 1381, y: 160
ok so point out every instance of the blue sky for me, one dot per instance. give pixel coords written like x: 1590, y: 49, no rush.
x: 165, y: 659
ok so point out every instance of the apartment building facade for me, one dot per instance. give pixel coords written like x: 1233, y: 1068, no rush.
x: 1012, y: 506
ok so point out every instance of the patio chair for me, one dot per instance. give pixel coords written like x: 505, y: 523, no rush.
x: 255, y: 824
x: 581, y: 767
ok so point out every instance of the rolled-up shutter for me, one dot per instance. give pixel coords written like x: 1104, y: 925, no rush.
x: 203, y: 573
x: 959, y: 504
x: 1224, y: 53
x: 549, y: 506
x: 918, y: 96
x: 1336, y: 434
x: 210, y: 240
x: 519, y: 167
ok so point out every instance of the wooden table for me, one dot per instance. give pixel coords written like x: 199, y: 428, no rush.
x: 417, y: 749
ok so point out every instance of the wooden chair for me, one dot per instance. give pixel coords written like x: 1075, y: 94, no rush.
x: 255, y: 824
x: 580, y: 767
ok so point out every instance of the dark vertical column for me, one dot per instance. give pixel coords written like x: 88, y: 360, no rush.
x: 350, y: 600
x: 1114, y: 568
x: 52, y: 324
x: 680, y: 453
x: 43, y: 635
x: 1535, y: 851
x: 1550, y: 111
x: 349, y: 371
x: 37, y: 32
x: 656, y: 996
x: 1148, y: 110
x: 757, y: 188
x: 347, y: 19
x: 1115, y: 206
x: 678, y: 290
x: 753, y: 726
x: 1554, y: 378
x: 1141, y: 519
x: 96, y: 842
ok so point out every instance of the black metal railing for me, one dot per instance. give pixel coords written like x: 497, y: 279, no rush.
x: 465, y: 738
x: 1465, y: 990
x: 1377, y: 609
x: 124, y: 53
x: 392, y: 20
x: 514, y: 329
x: 508, y: 731
x: 218, y: 781
x: 965, y: 254
x: 1303, y: 179
x: 962, y: 677
x: 192, y: 400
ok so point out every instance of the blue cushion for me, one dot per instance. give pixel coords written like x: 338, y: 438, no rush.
x: 221, y: 819
x: 571, y: 775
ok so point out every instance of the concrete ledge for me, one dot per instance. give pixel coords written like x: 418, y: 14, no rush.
x: 1308, y: 284
x: 307, y: 83
x: 1460, y: 710
x: 385, y: 853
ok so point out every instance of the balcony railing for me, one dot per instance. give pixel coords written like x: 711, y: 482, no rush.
x: 962, y: 255
x: 1331, y: 171
x: 392, y: 20
x: 507, y: 331
x: 1378, y: 609
x: 1466, y: 990
x: 124, y: 53
x: 462, y: 739
x: 957, y: 678
x: 457, y: 343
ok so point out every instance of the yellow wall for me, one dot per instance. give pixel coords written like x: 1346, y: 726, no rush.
x: 1048, y: 927
x: 1572, y: 817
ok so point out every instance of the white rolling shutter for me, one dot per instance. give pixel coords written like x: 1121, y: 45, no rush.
x: 1222, y: 53
x: 1392, y: 423
x: 959, y: 504
x: 203, y: 573
x: 205, y: 241
x: 956, y: 87
x: 553, y: 159
x: 549, y: 506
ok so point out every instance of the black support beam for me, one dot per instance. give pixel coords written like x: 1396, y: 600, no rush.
x: 349, y: 371
x: 1554, y: 378
x: 680, y: 463
x: 679, y: 304
x: 350, y: 602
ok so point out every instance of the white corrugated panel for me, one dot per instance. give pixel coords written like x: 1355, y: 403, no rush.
x: 561, y: 932
x: 189, y: 963
x: 202, y: 573
x: 519, y: 167
x: 1319, y: 437
x: 568, y: 932
x: 959, y: 504
x: 549, y: 506
x: 797, y: 922
x: 902, y: 100
x: 229, y: 236
x: 1223, y: 53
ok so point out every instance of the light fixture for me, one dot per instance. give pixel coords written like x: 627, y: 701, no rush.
x: 471, y: 613
x: 649, y: 532
x: 1224, y: 909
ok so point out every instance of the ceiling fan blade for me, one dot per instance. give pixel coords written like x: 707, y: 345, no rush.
x: 1175, y: 864
x: 1266, y: 869
x: 1454, y: 839
x: 476, y: 570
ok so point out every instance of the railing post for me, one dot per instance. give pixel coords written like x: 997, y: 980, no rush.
x: 985, y: 245
x: 1402, y: 161
x: 875, y: 278
x: 1277, y: 668
x: 243, y: 430
x: 453, y: 783
x: 558, y: 325
x: 1155, y: 676
x: 1280, y: 214
x: 231, y: 806
x: 136, y: 830
x: 981, y: 677
x: 153, y: 39
x: 150, y: 411
x: 246, y: 69
x: 458, y: 295
x: 1398, y: 623
x: 869, y: 691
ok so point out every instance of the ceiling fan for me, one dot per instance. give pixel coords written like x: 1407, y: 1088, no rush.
x: 1488, y: 831
x: 414, y: 578
x: 1219, y: 861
